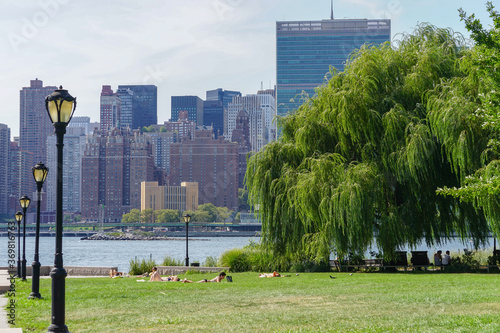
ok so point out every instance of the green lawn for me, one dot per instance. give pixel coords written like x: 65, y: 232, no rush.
x: 310, y: 302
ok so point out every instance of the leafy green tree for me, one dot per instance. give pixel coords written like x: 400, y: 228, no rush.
x: 134, y: 216
x: 243, y: 200
x: 167, y: 215
x: 475, y: 101
x: 364, y: 157
x: 201, y: 216
x: 223, y: 214
x: 210, y: 209
x: 147, y: 216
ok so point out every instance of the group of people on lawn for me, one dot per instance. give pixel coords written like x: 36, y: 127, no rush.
x: 440, y: 259
x: 155, y: 276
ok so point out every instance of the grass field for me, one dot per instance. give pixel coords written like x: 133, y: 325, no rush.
x: 309, y: 302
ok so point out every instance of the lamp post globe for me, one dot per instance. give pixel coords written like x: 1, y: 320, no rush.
x: 60, y: 107
x: 187, y: 218
x: 25, y: 203
x: 19, y: 217
x: 40, y: 172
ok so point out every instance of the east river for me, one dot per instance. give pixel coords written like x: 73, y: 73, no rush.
x: 118, y: 253
x: 108, y: 253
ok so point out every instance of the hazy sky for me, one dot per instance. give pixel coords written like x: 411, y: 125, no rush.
x: 184, y: 47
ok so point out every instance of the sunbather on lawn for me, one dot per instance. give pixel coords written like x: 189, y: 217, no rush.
x: 155, y: 276
x: 273, y: 274
x: 218, y: 278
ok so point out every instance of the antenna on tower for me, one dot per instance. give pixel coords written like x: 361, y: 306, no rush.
x: 261, y: 85
x: 331, y: 13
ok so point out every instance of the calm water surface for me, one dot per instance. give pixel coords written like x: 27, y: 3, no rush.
x: 78, y: 252
x: 119, y: 253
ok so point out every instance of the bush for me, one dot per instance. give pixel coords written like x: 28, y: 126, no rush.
x: 169, y: 261
x: 144, y: 266
x: 254, y: 257
x: 210, y: 262
x: 236, y: 259
x: 465, y: 264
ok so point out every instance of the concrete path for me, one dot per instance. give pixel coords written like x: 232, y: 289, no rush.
x: 4, y: 287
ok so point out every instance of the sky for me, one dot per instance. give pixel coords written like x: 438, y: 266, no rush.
x: 183, y: 47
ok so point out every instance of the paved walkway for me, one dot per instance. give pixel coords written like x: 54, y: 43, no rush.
x: 4, y: 287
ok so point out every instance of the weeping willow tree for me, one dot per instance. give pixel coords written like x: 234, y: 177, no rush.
x: 363, y: 158
x: 477, y: 99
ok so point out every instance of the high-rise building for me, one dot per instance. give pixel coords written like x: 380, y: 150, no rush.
x: 215, y: 108
x: 213, y: 115
x: 115, y: 165
x: 305, y: 50
x: 183, y: 126
x: 82, y: 122
x: 4, y: 168
x: 34, y: 128
x: 241, y: 135
x: 261, y: 112
x: 139, y: 105
x: 192, y: 104
x: 110, y: 109
x: 161, y: 143
x: 74, y: 146
x: 212, y: 163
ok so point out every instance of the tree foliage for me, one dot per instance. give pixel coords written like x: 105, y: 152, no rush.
x: 364, y: 157
x: 134, y: 216
x: 481, y: 93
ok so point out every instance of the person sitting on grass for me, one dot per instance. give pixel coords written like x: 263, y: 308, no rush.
x: 218, y: 278
x: 273, y: 274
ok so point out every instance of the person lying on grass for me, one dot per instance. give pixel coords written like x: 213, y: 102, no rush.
x: 273, y: 274
x: 218, y: 278
x: 155, y: 276
x: 114, y: 274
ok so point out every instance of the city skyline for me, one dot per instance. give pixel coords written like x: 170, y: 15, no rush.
x: 183, y: 49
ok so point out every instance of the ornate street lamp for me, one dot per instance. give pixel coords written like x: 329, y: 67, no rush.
x: 25, y: 203
x: 40, y: 172
x: 60, y: 106
x: 19, y: 217
x: 187, y: 218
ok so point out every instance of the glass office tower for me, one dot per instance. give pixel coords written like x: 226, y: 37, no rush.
x: 305, y: 50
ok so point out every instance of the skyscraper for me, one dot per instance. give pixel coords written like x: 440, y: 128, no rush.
x: 212, y: 163
x: 74, y: 146
x: 110, y: 109
x: 139, y: 105
x: 306, y: 49
x: 4, y: 168
x: 215, y: 108
x: 115, y: 165
x: 34, y: 128
x: 260, y: 110
x: 192, y: 104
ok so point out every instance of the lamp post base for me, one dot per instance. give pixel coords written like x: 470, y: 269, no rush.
x: 58, y: 329
x: 35, y: 280
x: 23, y: 269
x: 34, y: 295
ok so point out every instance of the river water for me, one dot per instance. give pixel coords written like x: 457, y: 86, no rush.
x: 78, y: 252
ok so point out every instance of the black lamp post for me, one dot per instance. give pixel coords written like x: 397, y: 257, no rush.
x: 19, y: 217
x: 25, y: 203
x: 187, y: 218
x: 60, y: 106
x: 40, y: 172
